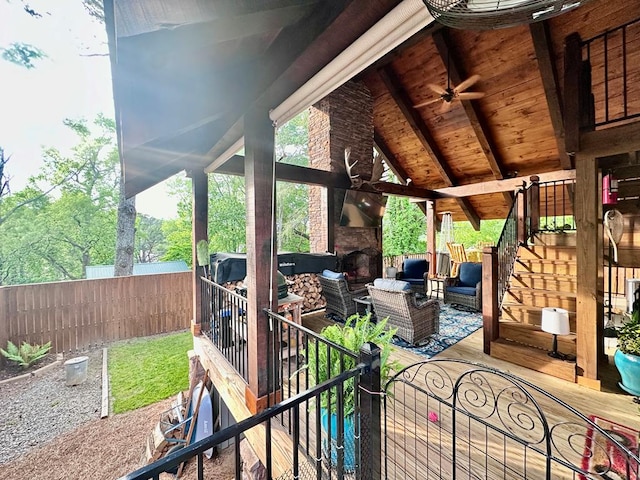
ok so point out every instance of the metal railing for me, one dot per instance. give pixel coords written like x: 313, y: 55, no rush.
x: 556, y: 206
x: 224, y: 323
x: 612, y: 81
x: 507, y: 247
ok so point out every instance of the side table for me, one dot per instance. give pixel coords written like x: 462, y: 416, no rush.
x: 364, y: 303
x: 436, y: 286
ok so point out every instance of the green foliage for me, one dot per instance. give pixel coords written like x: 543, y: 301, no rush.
x: 629, y: 333
x: 147, y: 370
x: 490, y: 231
x: 357, y: 331
x: 22, y: 54
x: 27, y: 354
x: 178, y: 235
x: 404, y: 227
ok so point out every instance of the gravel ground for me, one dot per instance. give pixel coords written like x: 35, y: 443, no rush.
x: 39, y: 409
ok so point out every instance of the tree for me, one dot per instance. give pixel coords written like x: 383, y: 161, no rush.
x: 150, y: 239
x: 125, y: 233
x: 404, y: 228
x: 22, y: 54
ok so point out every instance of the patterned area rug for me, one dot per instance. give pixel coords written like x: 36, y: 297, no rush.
x: 603, y: 457
x: 455, y: 324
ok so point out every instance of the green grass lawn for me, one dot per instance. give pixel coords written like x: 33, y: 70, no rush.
x: 144, y: 371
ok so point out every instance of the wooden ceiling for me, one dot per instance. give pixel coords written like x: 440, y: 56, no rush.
x: 515, y: 130
x: 186, y: 72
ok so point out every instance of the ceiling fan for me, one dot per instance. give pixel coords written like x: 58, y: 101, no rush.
x: 449, y: 95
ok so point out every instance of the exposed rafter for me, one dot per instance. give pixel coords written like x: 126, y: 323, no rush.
x: 421, y: 130
x: 546, y: 65
x: 476, y: 119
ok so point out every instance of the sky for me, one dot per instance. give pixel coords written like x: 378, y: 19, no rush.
x: 72, y: 82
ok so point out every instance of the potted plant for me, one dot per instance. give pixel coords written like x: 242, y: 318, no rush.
x: 627, y: 357
x: 357, y: 331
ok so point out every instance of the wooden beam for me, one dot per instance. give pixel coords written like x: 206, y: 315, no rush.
x: 490, y: 301
x: 259, y: 147
x: 312, y: 176
x: 547, y: 67
x: 506, y: 185
x: 471, y: 108
x: 421, y: 131
x: 611, y: 141
x: 431, y: 235
x: 589, y: 256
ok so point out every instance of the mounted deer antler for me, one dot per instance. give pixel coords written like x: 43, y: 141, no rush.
x: 355, y: 181
x: 377, y: 170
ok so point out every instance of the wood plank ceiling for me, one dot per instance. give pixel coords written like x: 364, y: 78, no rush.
x: 516, y: 129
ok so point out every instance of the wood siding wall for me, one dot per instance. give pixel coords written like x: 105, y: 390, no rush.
x: 78, y: 315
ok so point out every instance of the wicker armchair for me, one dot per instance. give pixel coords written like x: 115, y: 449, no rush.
x: 415, y: 321
x: 339, y: 297
x: 466, y: 288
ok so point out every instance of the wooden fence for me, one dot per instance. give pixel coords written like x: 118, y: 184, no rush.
x: 81, y: 314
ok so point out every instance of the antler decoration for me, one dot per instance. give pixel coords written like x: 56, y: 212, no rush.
x: 355, y: 181
x: 376, y: 171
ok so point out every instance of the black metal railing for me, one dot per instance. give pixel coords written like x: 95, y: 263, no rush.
x: 507, y: 247
x: 614, y: 89
x: 317, y: 447
x: 447, y: 418
x: 224, y: 322
x: 556, y: 207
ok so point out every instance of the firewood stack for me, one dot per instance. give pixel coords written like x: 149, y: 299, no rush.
x: 307, y: 286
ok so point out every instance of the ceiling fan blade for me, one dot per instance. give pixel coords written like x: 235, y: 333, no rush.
x: 428, y: 102
x: 446, y: 106
x: 436, y: 88
x: 470, y: 95
x: 467, y: 83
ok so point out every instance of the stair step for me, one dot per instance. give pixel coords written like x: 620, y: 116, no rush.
x: 547, y: 252
x: 541, y: 298
x: 529, y: 315
x: 567, y: 239
x: 533, y: 358
x: 533, y: 336
x: 542, y: 265
x: 544, y: 281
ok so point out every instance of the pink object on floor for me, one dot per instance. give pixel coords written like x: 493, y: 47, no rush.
x: 433, y: 417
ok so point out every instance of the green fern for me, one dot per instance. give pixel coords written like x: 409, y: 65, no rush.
x: 27, y: 354
x: 357, y: 331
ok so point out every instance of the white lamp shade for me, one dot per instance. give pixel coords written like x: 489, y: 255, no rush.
x: 555, y: 320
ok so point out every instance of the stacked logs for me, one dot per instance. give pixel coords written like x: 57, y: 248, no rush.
x: 307, y: 286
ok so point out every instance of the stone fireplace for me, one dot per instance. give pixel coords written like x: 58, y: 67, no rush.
x: 344, y: 118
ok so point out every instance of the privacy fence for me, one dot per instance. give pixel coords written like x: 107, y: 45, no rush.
x: 80, y: 314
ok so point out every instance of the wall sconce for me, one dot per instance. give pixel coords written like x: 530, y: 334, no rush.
x: 556, y: 322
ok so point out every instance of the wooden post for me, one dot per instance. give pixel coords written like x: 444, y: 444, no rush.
x: 199, y: 219
x: 590, y: 281
x: 534, y: 205
x: 261, y: 254
x: 431, y: 235
x: 331, y: 222
x: 490, y: 312
x: 371, y: 432
x: 521, y: 197
x: 572, y: 101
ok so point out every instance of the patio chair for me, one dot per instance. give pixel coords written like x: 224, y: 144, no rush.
x: 466, y: 288
x: 458, y: 255
x: 415, y: 272
x: 337, y: 294
x: 415, y: 321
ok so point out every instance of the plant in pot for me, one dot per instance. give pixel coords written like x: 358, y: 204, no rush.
x: 627, y: 357
x: 357, y: 331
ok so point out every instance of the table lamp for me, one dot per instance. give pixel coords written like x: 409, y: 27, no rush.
x: 556, y: 322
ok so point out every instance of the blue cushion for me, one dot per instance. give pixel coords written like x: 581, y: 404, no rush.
x: 332, y: 275
x: 471, y: 291
x: 414, y: 268
x: 470, y: 274
x: 391, y: 284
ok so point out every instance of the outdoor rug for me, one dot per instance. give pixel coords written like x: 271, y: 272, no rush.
x: 455, y: 324
x: 602, y: 457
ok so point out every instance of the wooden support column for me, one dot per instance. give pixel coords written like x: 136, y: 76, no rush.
x: 261, y: 254
x: 490, y: 313
x: 590, y: 283
x: 330, y: 219
x: 431, y: 236
x: 200, y: 216
x: 572, y: 100
x: 534, y: 204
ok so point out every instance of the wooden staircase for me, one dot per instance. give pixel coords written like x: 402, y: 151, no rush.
x: 544, y: 276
